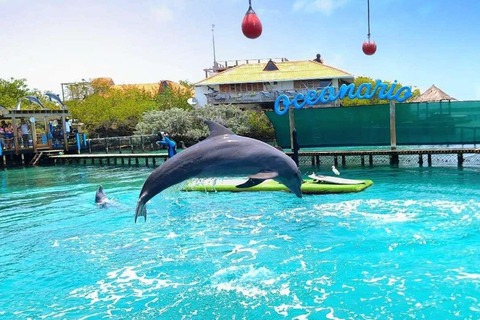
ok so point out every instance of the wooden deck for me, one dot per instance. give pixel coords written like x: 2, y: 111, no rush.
x: 394, y: 155
x: 430, y: 157
x: 369, y: 157
x: 109, y: 158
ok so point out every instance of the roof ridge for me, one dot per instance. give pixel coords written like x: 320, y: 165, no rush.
x: 219, y: 73
x: 330, y: 67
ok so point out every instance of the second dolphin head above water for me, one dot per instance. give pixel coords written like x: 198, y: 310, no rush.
x: 222, y: 154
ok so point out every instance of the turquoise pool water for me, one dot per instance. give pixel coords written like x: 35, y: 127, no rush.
x: 408, y: 247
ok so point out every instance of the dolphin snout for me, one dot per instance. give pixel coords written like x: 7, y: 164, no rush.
x: 298, y: 192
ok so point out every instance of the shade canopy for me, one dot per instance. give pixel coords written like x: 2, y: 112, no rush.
x: 433, y: 94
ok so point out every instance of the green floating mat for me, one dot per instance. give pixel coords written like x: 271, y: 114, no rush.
x: 309, y: 187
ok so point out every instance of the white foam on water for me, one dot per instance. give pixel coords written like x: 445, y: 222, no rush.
x: 284, y: 237
x: 374, y: 280
x: 171, y: 235
x: 285, y: 290
x: 283, y: 308
x: 250, y: 292
x: 122, y: 283
x: 55, y: 244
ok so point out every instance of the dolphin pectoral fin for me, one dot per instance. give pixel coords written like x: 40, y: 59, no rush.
x: 141, y: 210
x: 217, y: 129
x: 264, y: 175
x: 250, y: 183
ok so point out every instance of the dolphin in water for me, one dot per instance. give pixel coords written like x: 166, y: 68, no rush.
x: 100, y: 197
x: 223, y: 153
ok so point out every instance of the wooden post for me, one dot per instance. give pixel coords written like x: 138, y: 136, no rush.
x: 49, y: 134
x: 393, y: 129
x: 460, y: 159
x: 15, y: 135
x: 34, y: 136
x: 420, y: 160
x: 429, y: 159
x: 65, y: 137
x: 291, y: 118
x: 362, y: 159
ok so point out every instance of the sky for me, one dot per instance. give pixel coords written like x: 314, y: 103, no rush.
x: 419, y: 43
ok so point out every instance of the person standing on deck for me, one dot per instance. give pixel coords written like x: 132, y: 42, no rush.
x: 68, y: 126
x: 166, y: 141
x: 9, y: 135
x: 25, y: 134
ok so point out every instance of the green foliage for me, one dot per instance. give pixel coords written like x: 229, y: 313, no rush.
x: 11, y: 90
x: 111, y: 112
x: 347, y: 102
x: 173, y: 98
x: 188, y: 126
x: 14, y: 89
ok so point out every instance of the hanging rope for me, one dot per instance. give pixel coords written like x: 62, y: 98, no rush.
x: 368, y: 18
x: 250, y: 3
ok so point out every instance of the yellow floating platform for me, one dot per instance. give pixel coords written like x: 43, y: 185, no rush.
x: 309, y: 187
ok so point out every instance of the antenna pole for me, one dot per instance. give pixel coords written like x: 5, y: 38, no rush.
x: 213, y: 40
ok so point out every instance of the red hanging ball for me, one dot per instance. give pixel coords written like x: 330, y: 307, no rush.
x: 251, y: 25
x: 369, y: 47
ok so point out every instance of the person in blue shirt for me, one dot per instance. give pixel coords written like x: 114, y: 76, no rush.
x: 166, y: 141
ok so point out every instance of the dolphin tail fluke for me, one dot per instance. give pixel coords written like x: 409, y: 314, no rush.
x: 141, y: 210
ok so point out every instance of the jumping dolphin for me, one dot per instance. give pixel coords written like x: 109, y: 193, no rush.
x: 223, y: 153
x: 100, y: 197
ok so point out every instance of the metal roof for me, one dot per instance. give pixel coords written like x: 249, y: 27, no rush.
x: 287, y: 71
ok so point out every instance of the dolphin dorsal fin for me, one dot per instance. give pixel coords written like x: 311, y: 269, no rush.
x: 217, y: 129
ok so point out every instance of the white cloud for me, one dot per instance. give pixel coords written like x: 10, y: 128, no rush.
x: 162, y: 13
x: 324, y: 6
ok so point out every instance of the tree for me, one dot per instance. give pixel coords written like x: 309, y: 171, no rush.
x: 111, y: 112
x: 188, y: 126
x: 173, y: 97
x: 11, y: 91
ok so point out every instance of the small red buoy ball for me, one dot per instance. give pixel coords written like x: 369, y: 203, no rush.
x: 369, y: 47
x: 251, y: 25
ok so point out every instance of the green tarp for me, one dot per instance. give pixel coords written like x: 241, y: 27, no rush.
x: 456, y: 122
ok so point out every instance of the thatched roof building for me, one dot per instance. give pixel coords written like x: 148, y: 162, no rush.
x: 434, y: 94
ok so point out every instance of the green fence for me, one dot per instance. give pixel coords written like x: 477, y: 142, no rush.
x: 456, y: 122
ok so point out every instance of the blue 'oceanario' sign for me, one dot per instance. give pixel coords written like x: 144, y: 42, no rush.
x: 328, y: 94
